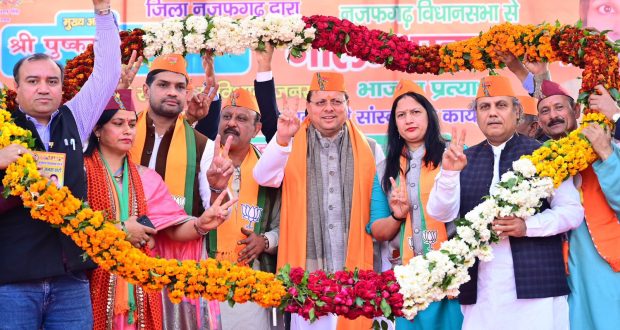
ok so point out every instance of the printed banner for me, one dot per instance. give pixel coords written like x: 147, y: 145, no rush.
x: 65, y: 28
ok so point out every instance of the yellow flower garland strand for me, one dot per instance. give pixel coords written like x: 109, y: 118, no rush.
x: 559, y: 159
x: 106, y: 245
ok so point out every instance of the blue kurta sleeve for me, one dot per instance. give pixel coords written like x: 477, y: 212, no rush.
x: 379, y: 205
x: 608, y: 172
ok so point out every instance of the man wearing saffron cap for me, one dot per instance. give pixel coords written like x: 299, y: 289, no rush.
x: 528, y: 124
x: 43, y: 281
x: 250, y: 235
x: 326, y: 169
x: 594, y: 260
x: 166, y: 143
x: 526, y: 277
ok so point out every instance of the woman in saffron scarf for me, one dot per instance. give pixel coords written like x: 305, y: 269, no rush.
x: 400, y: 191
x: 125, y: 191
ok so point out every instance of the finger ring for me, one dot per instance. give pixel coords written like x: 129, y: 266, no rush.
x: 19, y: 151
x: 142, y: 243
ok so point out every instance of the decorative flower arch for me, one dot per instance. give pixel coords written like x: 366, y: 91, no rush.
x: 404, y: 291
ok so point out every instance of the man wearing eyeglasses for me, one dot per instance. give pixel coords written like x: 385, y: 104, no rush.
x: 325, y: 166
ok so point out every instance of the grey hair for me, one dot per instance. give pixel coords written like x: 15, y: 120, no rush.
x: 515, y: 105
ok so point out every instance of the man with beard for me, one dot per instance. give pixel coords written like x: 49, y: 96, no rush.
x: 167, y: 143
x: 594, y: 258
x: 250, y: 235
x: 527, y: 274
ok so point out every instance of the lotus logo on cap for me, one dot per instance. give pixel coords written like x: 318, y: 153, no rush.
x: 233, y: 98
x: 321, y: 81
x: 485, y: 88
x: 117, y: 99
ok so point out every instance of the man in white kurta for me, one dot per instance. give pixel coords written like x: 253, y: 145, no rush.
x: 324, y: 215
x: 496, y: 304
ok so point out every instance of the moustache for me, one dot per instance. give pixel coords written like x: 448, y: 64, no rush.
x: 231, y: 131
x: 556, y: 121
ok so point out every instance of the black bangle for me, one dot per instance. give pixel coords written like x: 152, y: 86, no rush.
x: 397, y: 219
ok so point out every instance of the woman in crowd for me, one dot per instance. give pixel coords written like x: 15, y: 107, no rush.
x: 400, y: 191
x: 125, y: 192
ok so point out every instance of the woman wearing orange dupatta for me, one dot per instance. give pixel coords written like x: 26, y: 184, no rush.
x: 400, y: 191
x: 126, y: 191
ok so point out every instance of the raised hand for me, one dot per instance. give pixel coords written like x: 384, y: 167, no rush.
x: 129, y: 71
x: 264, y: 57
x: 536, y: 68
x: 288, y: 122
x: 101, y: 4
x: 199, y: 103
x: 398, y: 201
x: 221, y: 167
x: 453, y: 157
x: 254, y: 246
x: 603, y: 102
x: 215, y: 215
x: 600, y: 140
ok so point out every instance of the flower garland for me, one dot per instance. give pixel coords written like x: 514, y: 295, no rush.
x: 226, y: 35
x: 348, y: 293
x: 539, y: 43
x: 79, y: 68
x: 106, y: 245
x: 560, y: 159
x: 409, y: 288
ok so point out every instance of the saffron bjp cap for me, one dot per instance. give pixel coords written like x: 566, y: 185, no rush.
x: 495, y: 86
x: 241, y: 97
x: 327, y: 81
x: 529, y: 104
x: 407, y: 86
x: 170, y: 62
x: 121, y: 100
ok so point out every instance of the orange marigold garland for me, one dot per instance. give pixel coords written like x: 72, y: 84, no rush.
x: 79, y: 68
x: 106, y: 245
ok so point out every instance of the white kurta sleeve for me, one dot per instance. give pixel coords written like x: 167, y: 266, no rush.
x: 566, y: 213
x: 203, y: 184
x: 445, y: 198
x: 269, y: 171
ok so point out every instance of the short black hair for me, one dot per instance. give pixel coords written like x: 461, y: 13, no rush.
x: 32, y: 58
x: 150, y: 77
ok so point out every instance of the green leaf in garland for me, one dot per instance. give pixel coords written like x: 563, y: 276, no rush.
x: 615, y: 94
x: 385, y: 308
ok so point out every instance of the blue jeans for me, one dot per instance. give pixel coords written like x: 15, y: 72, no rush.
x: 61, y: 302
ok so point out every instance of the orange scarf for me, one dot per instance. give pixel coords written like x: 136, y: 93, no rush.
x: 293, y: 219
x: 180, y: 169
x: 601, y: 219
x: 430, y: 225
x: 99, y: 197
x: 245, y: 213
